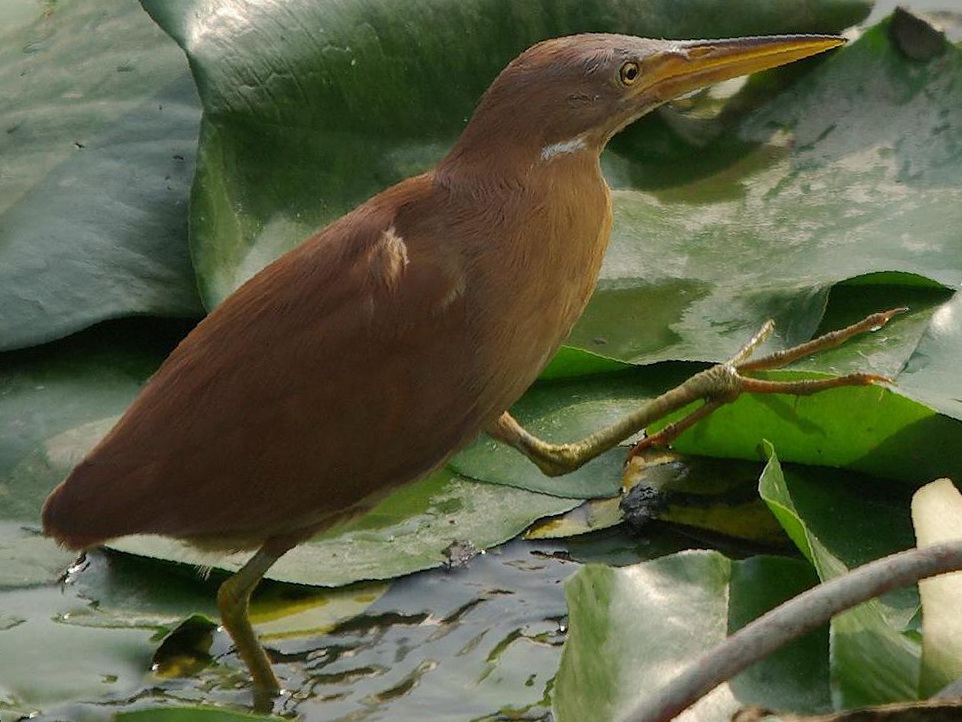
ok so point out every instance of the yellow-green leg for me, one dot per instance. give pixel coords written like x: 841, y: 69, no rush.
x: 233, y: 598
x: 716, y: 386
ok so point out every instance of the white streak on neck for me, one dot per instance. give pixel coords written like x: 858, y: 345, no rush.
x: 565, y: 147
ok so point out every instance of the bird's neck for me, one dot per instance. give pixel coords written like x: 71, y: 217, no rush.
x: 538, y: 223
x: 524, y: 175
x: 543, y: 213
x: 512, y: 144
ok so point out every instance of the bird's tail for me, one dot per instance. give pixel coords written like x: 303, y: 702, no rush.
x: 70, y: 516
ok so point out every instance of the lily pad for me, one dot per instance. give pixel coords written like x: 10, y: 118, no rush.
x: 867, y: 428
x: 100, y: 121
x: 27, y: 559
x: 310, y: 96
x: 875, y: 655
x: 931, y: 374
x: 562, y: 411
x: 870, y: 429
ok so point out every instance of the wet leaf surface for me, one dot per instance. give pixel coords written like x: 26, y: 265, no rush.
x: 407, y: 532
x: 57, y: 400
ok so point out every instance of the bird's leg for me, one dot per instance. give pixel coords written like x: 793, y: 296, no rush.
x: 716, y: 386
x: 233, y: 599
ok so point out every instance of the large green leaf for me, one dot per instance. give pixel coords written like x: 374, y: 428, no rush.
x: 567, y: 410
x: 632, y: 630
x: 865, y: 428
x: 100, y: 124
x: 838, y: 527
x: 26, y: 560
x: 310, y: 108
x: 869, y: 429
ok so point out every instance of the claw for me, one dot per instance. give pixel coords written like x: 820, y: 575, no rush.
x: 778, y: 359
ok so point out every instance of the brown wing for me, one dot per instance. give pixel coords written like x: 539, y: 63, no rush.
x: 340, y: 370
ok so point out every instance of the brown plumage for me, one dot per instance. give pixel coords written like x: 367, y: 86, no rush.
x: 365, y: 357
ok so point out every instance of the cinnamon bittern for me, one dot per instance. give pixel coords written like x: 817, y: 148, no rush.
x: 363, y: 358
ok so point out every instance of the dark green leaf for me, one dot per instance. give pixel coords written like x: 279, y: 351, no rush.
x: 932, y: 373
x: 56, y: 401
x: 873, y: 660
x: 869, y: 429
x: 27, y: 559
x: 863, y: 428
x: 567, y: 410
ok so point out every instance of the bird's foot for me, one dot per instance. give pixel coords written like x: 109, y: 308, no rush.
x: 722, y: 384
x: 551, y: 459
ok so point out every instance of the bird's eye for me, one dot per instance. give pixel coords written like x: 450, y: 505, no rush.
x: 629, y: 72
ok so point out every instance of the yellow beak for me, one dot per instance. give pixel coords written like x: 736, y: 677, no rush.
x: 687, y: 65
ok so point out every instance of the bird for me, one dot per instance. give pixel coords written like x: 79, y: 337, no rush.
x: 365, y: 357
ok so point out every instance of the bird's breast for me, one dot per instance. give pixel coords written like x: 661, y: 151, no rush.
x: 545, y: 245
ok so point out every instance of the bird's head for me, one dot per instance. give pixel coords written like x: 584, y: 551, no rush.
x: 577, y: 91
